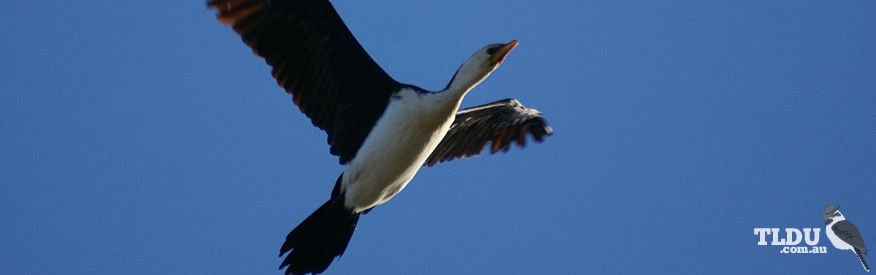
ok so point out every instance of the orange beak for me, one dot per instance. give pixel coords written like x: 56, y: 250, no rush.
x: 500, y: 54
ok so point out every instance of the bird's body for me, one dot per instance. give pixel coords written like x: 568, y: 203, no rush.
x: 382, y: 130
x: 833, y: 237
x: 409, y: 130
x: 844, y: 235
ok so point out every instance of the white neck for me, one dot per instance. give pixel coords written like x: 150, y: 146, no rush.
x: 466, y: 78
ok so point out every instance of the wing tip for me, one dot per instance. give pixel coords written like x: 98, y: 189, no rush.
x: 230, y: 12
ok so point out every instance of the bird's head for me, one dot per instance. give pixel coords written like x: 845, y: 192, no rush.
x: 831, y: 213
x: 496, y: 53
x: 480, y: 65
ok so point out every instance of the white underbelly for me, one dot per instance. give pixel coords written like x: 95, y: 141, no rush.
x: 835, y: 240
x: 398, y: 145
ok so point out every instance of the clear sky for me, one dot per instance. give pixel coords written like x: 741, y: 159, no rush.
x: 143, y: 137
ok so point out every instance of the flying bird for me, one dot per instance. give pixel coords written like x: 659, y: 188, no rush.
x: 382, y: 130
x: 843, y: 234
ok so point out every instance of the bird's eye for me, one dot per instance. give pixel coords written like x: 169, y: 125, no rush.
x: 492, y: 50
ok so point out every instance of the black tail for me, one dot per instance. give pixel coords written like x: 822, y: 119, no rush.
x: 320, y: 238
x: 861, y: 257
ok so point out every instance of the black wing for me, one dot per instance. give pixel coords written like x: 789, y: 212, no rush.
x: 848, y: 232
x: 316, y: 59
x: 499, y: 123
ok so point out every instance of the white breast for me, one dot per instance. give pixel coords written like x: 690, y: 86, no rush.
x: 408, y: 131
x: 834, y: 239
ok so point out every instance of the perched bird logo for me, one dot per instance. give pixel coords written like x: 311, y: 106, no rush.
x: 843, y: 234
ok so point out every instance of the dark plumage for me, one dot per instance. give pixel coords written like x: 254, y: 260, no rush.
x: 499, y: 123
x: 317, y: 60
x: 848, y: 232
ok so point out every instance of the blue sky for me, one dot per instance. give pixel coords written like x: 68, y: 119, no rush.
x: 143, y: 137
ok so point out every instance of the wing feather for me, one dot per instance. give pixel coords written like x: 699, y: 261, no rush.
x: 316, y: 59
x: 497, y: 124
x: 848, y: 232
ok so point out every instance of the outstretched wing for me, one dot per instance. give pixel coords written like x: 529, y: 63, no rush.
x: 848, y: 232
x: 499, y: 124
x: 317, y: 60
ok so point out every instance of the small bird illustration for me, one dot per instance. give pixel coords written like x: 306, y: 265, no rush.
x: 843, y: 234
